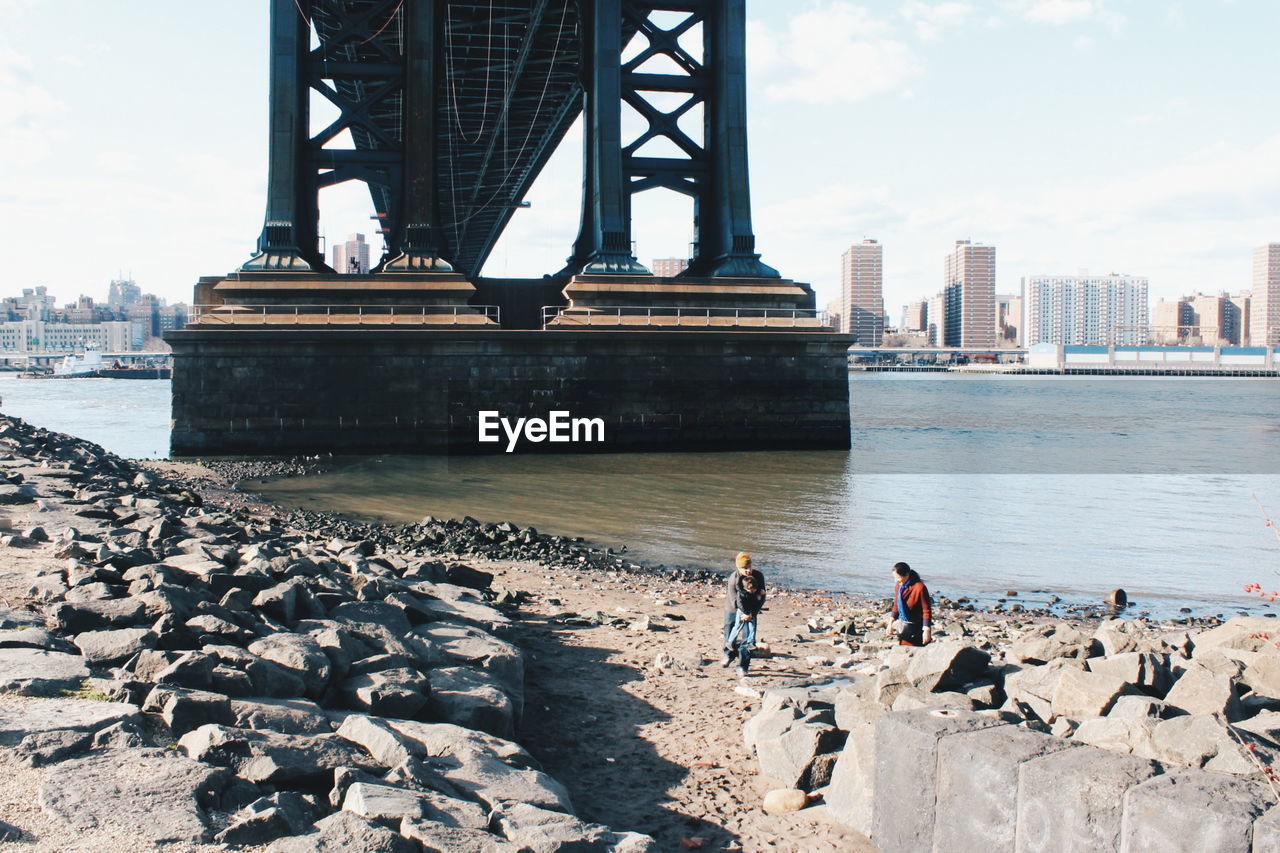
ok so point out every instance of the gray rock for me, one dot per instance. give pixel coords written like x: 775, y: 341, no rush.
x: 185, y: 710
x: 1203, y: 741
x: 400, y: 693
x: 268, y: 818
x: 151, y: 793
x: 387, y: 746
x: 1043, y: 643
x: 858, y: 704
x: 1116, y: 637
x: 299, y: 654
x: 1071, y: 800
x: 1194, y: 810
x: 1127, y: 735
x: 472, y: 699
x: 1265, y: 725
x: 37, y: 750
x: 273, y: 757
x: 291, y: 716
x: 1200, y: 691
x: 80, y: 616
x: 268, y: 678
x: 1034, y: 686
x: 1141, y: 669
x: 384, y: 802
x: 1266, y: 832
x: 444, y: 739
x: 345, y: 832
x: 904, y: 744
x: 977, y: 786
x: 487, y: 619
x: 280, y: 601
x: 546, y: 831
x: 51, y: 715
x: 801, y: 755
x: 35, y: 638
x: 35, y: 672
x: 108, y: 648
x: 1248, y: 633
x: 439, y: 838
x: 1081, y: 694
x: 946, y: 665
x: 491, y: 782
x: 374, y: 613
x: 193, y: 670
x: 851, y: 793
x: 1137, y: 707
x: 465, y: 645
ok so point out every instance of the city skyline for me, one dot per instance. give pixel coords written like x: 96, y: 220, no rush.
x: 1070, y: 133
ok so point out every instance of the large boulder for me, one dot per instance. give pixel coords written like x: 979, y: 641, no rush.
x: 1127, y: 735
x: 543, y: 831
x: 1040, y: 644
x: 1144, y: 670
x: 38, y: 716
x: 111, y: 647
x: 291, y: 716
x: 300, y: 655
x: 473, y: 699
x: 851, y: 792
x: 946, y: 665
x: 1033, y: 688
x: 1202, y: 740
x: 275, y: 758
x: 1194, y: 810
x: 344, y: 832
x: 400, y: 692
x: 152, y: 793
x: 1081, y: 694
x: 1248, y: 633
x: 386, y: 802
x: 1202, y: 691
x: 801, y: 754
x: 35, y: 672
x: 465, y: 645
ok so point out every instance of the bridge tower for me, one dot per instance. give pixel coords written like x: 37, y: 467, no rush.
x: 447, y: 110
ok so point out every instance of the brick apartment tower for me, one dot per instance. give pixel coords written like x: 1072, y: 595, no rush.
x: 969, y: 296
x: 862, y: 293
x: 668, y: 267
x: 1264, y: 308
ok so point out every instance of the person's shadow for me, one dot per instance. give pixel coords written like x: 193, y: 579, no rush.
x: 583, y: 726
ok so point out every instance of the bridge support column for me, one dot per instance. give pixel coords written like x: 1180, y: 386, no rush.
x: 288, y: 240
x: 726, y: 244
x: 418, y: 247
x: 604, y: 243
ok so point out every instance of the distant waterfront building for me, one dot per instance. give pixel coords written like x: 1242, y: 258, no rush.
x: 1109, y: 310
x: 1203, y: 319
x: 1008, y: 320
x: 35, y: 303
x: 123, y: 293
x: 1264, y: 310
x: 862, y: 293
x: 669, y: 267
x: 38, y: 336
x: 831, y: 316
x: 969, y: 296
x: 351, y: 257
x: 935, y: 331
x: 915, y: 316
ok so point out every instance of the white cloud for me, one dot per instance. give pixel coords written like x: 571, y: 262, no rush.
x: 1063, y: 12
x: 25, y: 110
x: 837, y: 51
x: 931, y: 20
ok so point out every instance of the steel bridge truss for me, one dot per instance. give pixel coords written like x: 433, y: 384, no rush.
x: 448, y: 110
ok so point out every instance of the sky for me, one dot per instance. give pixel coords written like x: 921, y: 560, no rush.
x: 1130, y: 136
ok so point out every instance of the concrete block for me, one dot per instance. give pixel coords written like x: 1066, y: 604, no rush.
x: 906, y: 763
x: 1071, y: 801
x: 977, y: 785
x: 1196, y: 810
x: 851, y: 794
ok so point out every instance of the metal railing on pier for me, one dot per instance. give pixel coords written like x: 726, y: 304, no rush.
x: 344, y: 315
x: 559, y: 317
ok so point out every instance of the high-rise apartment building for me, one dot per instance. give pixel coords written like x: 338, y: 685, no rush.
x: 669, y: 267
x: 969, y: 296
x: 935, y: 332
x: 862, y: 293
x: 1008, y: 320
x: 1109, y: 310
x: 1264, y: 310
x: 351, y: 257
x: 123, y: 293
x: 915, y: 316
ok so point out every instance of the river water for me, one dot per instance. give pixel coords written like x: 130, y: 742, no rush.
x: 984, y: 484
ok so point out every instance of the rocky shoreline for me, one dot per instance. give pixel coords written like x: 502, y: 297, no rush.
x: 241, y: 680
x: 246, y: 675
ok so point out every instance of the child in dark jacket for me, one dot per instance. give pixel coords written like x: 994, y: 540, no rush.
x: 742, y: 639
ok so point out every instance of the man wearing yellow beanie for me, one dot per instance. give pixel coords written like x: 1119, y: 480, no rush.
x: 733, y: 597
